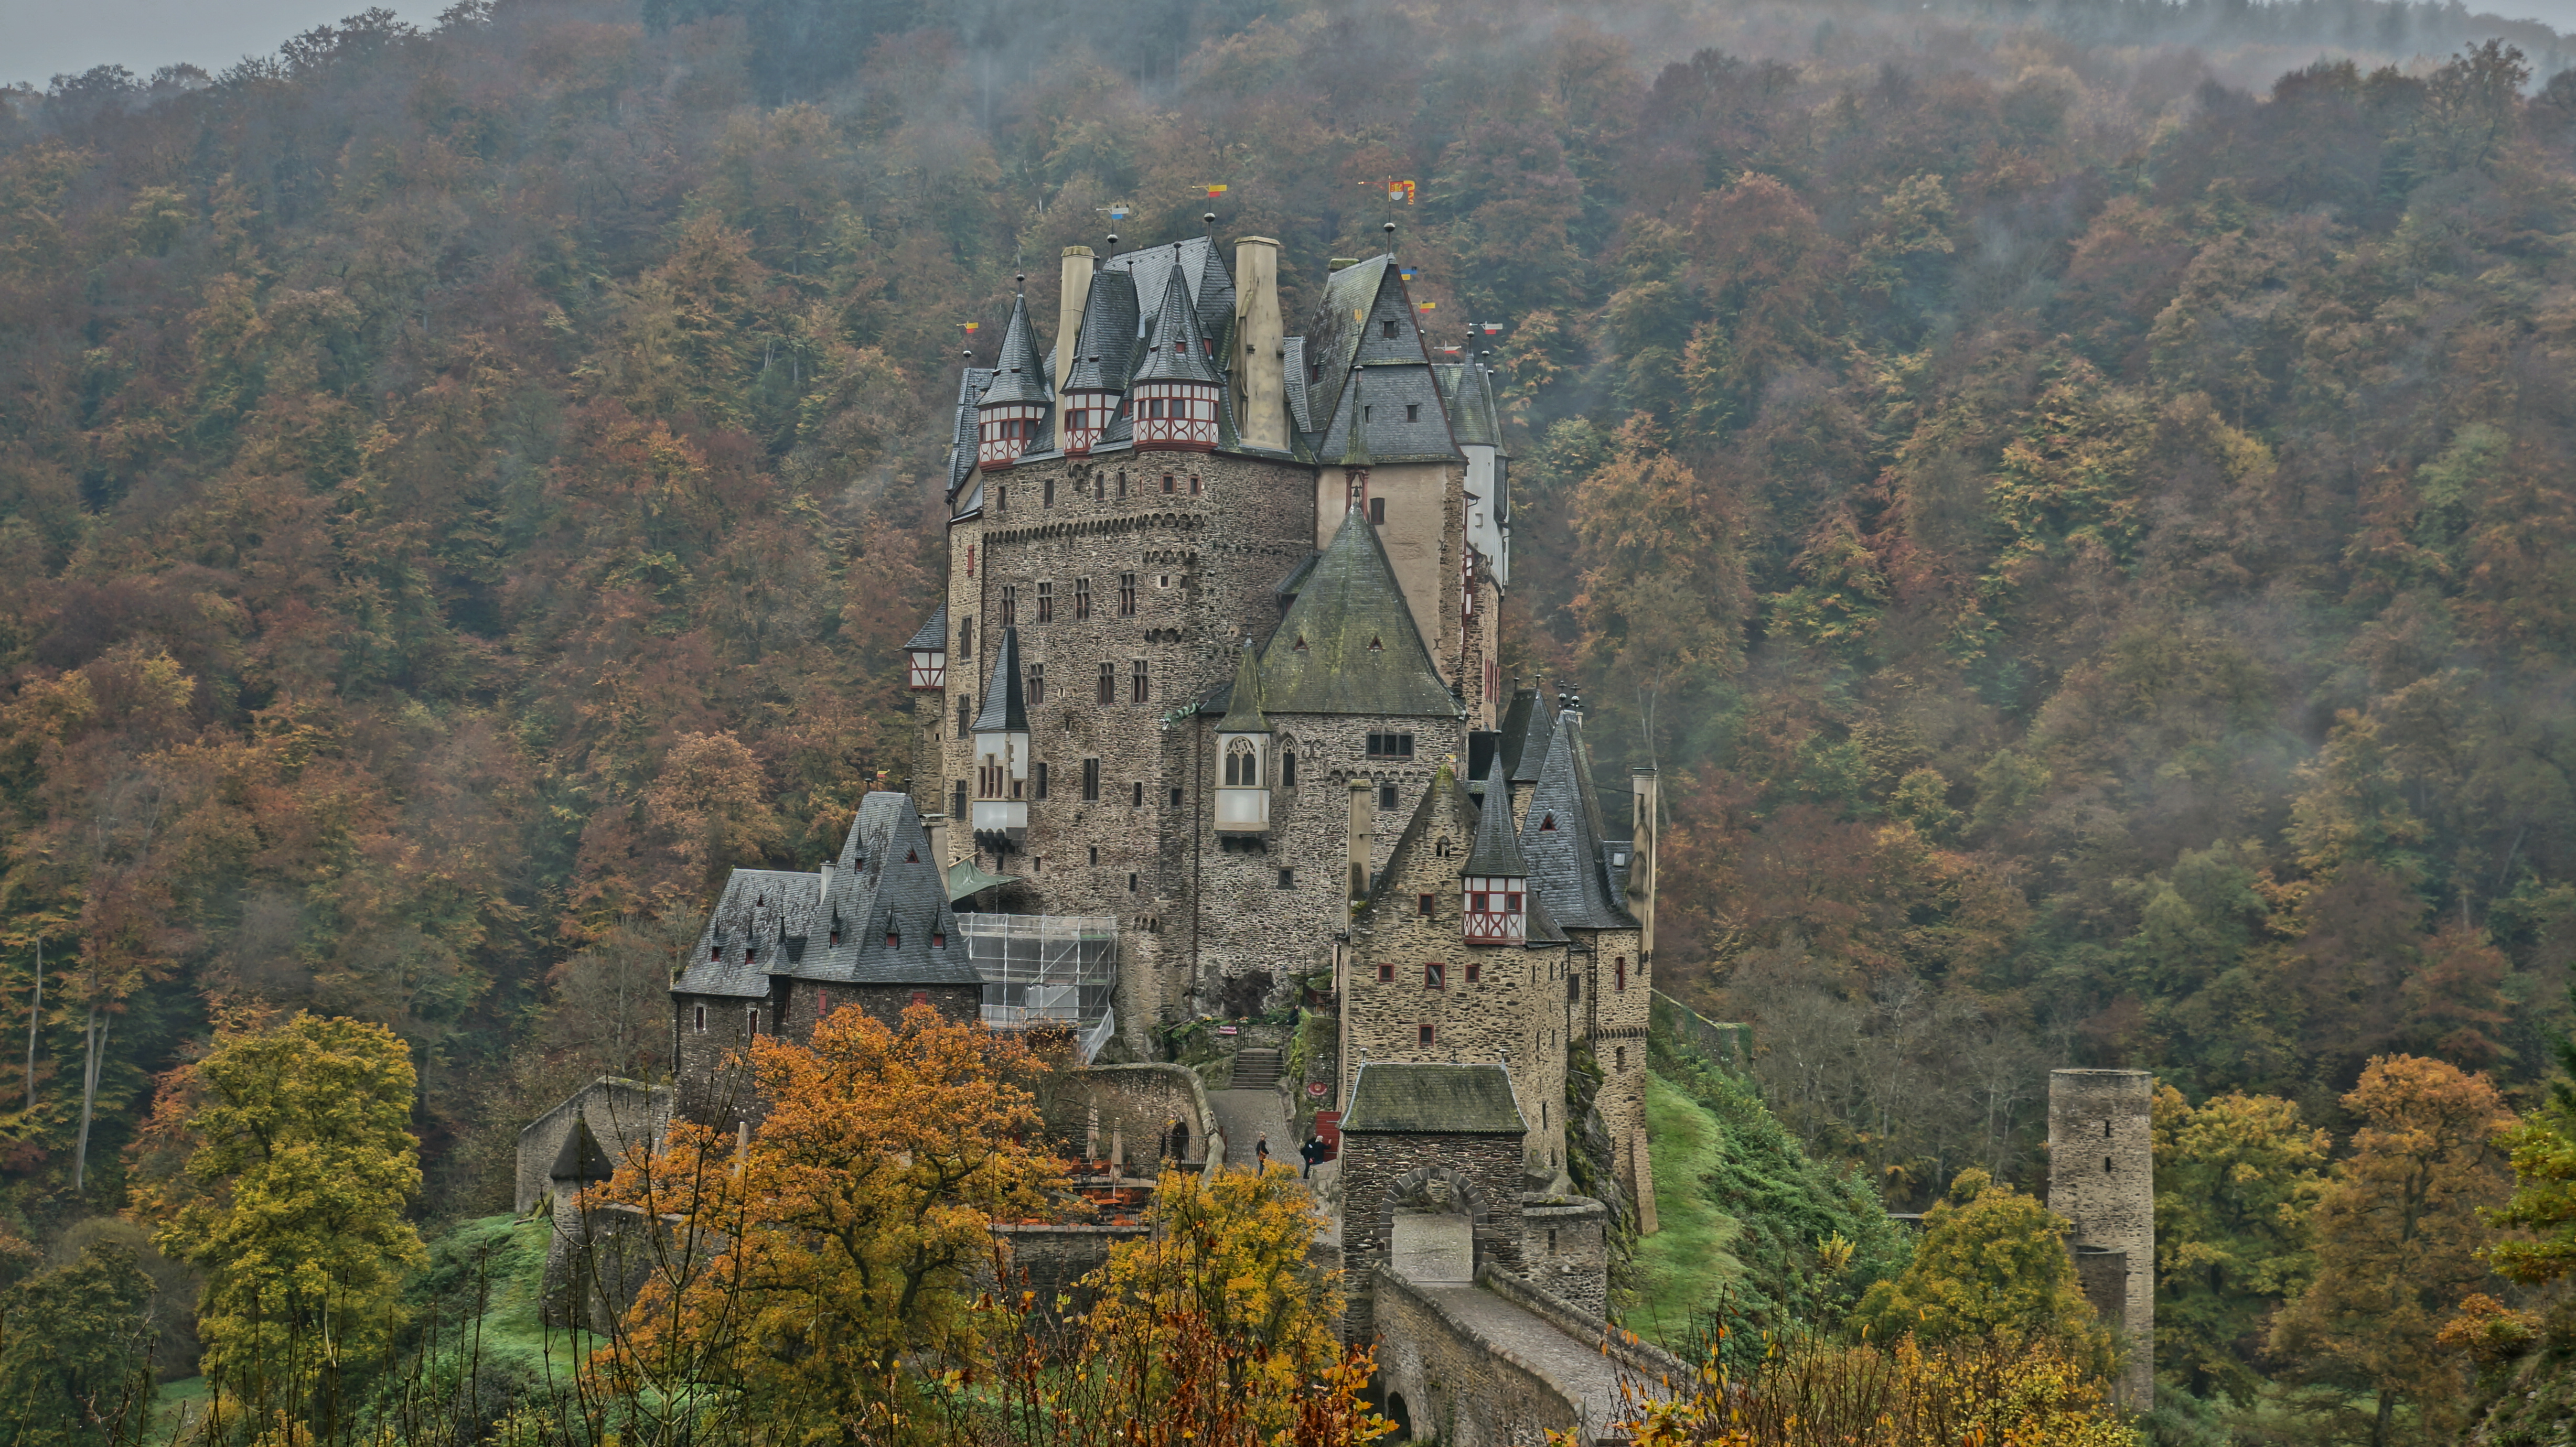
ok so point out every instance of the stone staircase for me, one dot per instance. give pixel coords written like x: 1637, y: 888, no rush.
x: 1255, y: 1070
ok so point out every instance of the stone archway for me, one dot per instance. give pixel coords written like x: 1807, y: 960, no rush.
x: 1427, y: 1186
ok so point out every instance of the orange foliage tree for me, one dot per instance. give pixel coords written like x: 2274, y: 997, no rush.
x: 2397, y: 1236
x: 837, y: 1250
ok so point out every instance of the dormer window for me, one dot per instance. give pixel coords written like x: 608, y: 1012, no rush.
x: 1547, y: 824
x: 894, y: 937
x: 938, y: 940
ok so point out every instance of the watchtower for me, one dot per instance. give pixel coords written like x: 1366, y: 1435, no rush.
x: 2101, y: 1177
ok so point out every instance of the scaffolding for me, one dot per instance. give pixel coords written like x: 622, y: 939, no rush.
x: 1044, y: 968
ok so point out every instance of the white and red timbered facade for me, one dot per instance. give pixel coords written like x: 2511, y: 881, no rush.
x: 1087, y: 416
x: 1497, y: 911
x: 1005, y: 430
x: 1174, y: 415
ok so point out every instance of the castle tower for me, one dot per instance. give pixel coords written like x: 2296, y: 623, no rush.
x: 2101, y: 1177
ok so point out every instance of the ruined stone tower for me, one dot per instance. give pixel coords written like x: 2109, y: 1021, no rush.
x: 2101, y: 1177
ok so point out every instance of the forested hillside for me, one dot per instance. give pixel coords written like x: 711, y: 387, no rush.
x: 2081, y: 517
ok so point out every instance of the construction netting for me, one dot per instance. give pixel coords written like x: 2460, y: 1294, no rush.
x: 1043, y: 968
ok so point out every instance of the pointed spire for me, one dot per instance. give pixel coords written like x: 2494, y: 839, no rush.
x: 1243, y: 708
x: 1175, y: 352
x: 1498, y: 851
x: 1005, y: 705
x: 1020, y: 374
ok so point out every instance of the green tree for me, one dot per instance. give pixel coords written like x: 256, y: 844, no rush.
x: 1992, y: 1261
x: 292, y: 1202
x: 76, y: 1353
x: 2237, y: 1179
x: 2397, y: 1238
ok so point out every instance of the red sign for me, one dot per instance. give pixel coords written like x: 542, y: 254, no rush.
x: 1315, y: 1088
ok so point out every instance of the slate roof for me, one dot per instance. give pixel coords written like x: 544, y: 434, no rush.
x: 581, y: 1158
x: 786, y: 920
x: 1348, y: 644
x: 1022, y: 375
x: 1566, y: 864
x: 1403, y: 416
x: 1107, y: 336
x: 1293, y: 374
x: 961, y: 442
x: 1243, y: 700
x: 1175, y: 350
x: 1397, y: 1099
x: 1527, y: 726
x: 1005, y: 702
x: 933, y: 634
x: 1475, y: 414
x: 1496, y: 852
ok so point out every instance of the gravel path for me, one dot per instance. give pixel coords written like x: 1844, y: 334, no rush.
x: 1245, y: 1116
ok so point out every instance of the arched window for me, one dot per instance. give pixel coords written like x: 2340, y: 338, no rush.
x: 1288, y: 770
x: 1242, y: 766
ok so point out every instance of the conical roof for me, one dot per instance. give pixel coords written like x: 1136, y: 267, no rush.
x: 1108, y: 335
x: 933, y: 635
x: 1243, y: 708
x: 1005, y: 705
x: 1561, y: 837
x: 1021, y: 374
x: 1174, y: 351
x: 1497, y: 852
x: 1355, y: 449
x: 581, y: 1158
x: 1348, y: 644
x: 1527, y: 727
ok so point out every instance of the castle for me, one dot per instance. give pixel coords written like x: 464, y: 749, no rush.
x: 1211, y: 733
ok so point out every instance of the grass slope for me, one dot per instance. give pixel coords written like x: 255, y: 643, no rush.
x: 1687, y: 1266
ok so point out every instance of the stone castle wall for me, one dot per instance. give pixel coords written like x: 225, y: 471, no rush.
x: 2101, y: 1177
x: 1481, y: 1175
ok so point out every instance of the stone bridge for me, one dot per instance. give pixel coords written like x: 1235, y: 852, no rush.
x: 1499, y: 1363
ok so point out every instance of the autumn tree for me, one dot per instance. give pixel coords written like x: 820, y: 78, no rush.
x: 855, y: 1220
x: 292, y: 1200
x: 2397, y: 1235
x: 1992, y: 1262
x: 76, y: 1352
x: 2236, y: 1180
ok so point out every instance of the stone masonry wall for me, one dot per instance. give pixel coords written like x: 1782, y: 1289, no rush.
x: 1380, y: 1172
x: 1132, y: 1104
x: 620, y: 1113
x: 2101, y: 1177
x: 1456, y: 1387
x: 1616, y: 1020
x: 1565, y: 1249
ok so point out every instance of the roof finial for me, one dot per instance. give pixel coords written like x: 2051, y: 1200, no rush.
x: 1390, y: 238
x: 1210, y: 218
x: 1113, y: 243
x: 1020, y: 282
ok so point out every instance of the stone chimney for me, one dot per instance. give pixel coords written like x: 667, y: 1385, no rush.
x: 1069, y: 302
x: 935, y: 827
x: 1260, y: 393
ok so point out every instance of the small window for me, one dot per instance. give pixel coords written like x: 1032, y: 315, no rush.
x: 1475, y: 971
x: 965, y: 714
x: 1377, y: 511
x: 1046, y: 603
x: 1619, y: 975
x: 715, y: 955
x: 1195, y: 485
x: 1573, y: 987
x: 822, y: 1003
x: 1046, y: 496
x: 966, y: 636
x: 1139, y: 801
x: 894, y: 937
x: 1619, y: 1058
x: 1287, y: 879
x: 1176, y: 798
x: 1131, y: 884
x: 1140, y: 680
x: 1108, y: 690
x: 1386, y: 796
x: 1412, y: 413
x: 1435, y: 976
x: 1037, y: 683
x: 2106, y: 1165
x: 1010, y: 606
x: 1288, y: 770
x: 1038, y: 776
x: 1547, y: 823
x: 1390, y: 746
x: 1386, y: 974
x: 1167, y: 483
x: 751, y: 1020
x: 1091, y: 790
x: 1390, y: 330
x: 1425, y: 1028
x: 957, y: 801
x: 921, y: 997
x: 746, y: 954
x: 1081, y: 599
x: 1422, y: 905
x: 1001, y: 499
x: 1126, y: 595
x: 702, y: 1019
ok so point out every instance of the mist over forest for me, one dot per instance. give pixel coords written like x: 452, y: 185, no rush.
x: 2078, y: 499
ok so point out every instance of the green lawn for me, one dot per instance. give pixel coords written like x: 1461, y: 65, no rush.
x: 1690, y: 1260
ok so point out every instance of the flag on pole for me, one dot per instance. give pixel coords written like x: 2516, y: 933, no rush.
x: 1408, y: 272
x: 1428, y: 305
x: 1215, y: 190
x: 1118, y: 210
x: 1493, y: 328
x: 970, y: 326
x: 1402, y: 189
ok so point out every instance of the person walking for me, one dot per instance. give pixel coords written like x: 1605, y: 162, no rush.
x: 1261, y: 1153
x: 1312, y: 1151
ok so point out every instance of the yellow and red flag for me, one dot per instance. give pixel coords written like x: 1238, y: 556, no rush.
x: 1215, y: 190
x: 1404, y: 189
